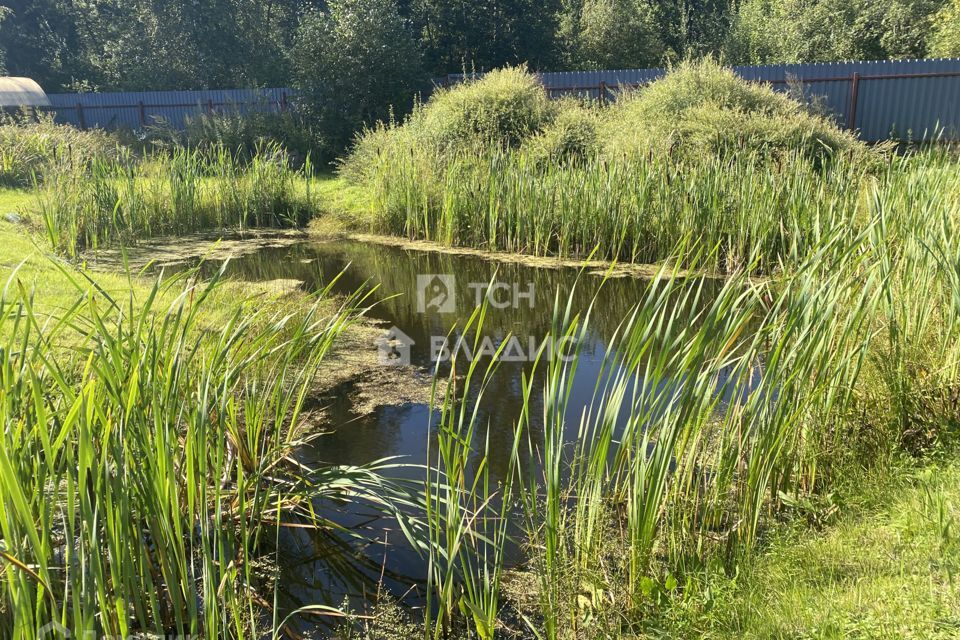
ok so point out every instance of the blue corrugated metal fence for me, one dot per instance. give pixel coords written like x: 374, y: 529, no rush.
x: 137, y: 109
x: 882, y: 99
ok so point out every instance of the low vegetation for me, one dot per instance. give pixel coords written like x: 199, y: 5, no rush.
x: 29, y: 151
x: 186, y: 190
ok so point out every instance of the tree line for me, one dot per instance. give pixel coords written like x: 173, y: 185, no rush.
x: 354, y: 60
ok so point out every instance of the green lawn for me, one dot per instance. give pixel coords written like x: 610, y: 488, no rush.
x: 24, y: 247
x: 886, y: 569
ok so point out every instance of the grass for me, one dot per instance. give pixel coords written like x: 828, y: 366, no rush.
x: 851, y: 353
x: 699, y: 158
x: 102, y: 202
x: 148, y: 427
x: 885, y: 568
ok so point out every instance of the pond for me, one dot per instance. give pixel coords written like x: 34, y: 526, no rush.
x: 419, y: 299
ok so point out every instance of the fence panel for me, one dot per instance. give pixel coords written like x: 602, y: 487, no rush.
x: 881, y: 99
x: 136, y: 109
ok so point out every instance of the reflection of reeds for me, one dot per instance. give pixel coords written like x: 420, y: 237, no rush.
x: 101, y: 200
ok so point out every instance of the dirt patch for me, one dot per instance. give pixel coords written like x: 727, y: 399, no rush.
x: 356, y: 359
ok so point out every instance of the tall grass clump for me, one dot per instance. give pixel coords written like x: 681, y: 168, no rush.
x: 187, y: 190
x: 30, y: 150
x: 701, y: 108
x: 698, y: 158
x: 244, y: 133
x: 146, y: 457
x: 466, y: 509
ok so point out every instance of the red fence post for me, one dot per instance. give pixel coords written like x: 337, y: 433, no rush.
x: 283, y: 102
x: 210, y: 106
x: 854, y: 91
x: 80, y: 119
x: 603, y: 92
x: 142, y: 110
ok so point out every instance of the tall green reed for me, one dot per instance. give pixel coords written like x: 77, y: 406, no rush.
x: 147, y: 456
x: 102, y: 201
x: 634, y: 209
x: 467, y: 516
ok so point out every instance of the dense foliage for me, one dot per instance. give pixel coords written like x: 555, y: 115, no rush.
x: 352, y: 63
x: 823, y: 30
x: 946, y: 31
x: 147, y: 44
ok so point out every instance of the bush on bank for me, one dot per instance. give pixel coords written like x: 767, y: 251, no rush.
x: 700, y: 157
x: 698, y: 110
x: 29, y: 149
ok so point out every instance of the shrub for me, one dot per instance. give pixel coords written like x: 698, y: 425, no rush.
x: 503, y: 108
x: 572, y: 136
x: 30, y: 149
x: 703, y: 108
x: 383, y: 142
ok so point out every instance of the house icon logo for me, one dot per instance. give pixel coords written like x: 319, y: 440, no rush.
x: 53, y: 631
x: 393, y: 348
x: 435, y: 293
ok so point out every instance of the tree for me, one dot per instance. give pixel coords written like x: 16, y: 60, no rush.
x: 945, y: 39
x: 353, y: 63
x: 484, y: 34
x: 610, y: 34
x: 769, y: 31
x: 40, y: 41
x: 150, y: 44
x: 4, y: 12
x: 693, y: 28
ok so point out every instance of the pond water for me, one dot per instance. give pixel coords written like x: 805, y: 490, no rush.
x: 420, y: 297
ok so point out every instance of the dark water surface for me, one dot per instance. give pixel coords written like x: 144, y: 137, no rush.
x: 323, y: 567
